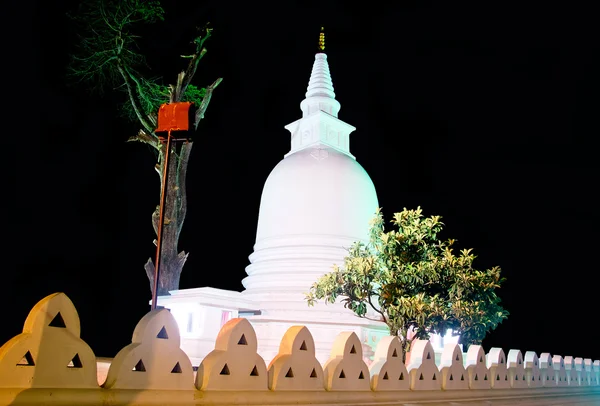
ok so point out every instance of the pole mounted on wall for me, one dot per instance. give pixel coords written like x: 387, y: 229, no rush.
x: 173, y: 119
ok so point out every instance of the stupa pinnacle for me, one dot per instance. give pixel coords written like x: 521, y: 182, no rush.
x: 322, y: 39
x: 319, y: 94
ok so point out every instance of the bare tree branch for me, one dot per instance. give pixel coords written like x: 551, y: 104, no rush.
x: 135, y: 103
x: 196, y: 57
x: 205, y: 101
x: 146, y: 138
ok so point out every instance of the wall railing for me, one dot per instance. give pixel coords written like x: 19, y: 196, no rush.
x: 48, y: 363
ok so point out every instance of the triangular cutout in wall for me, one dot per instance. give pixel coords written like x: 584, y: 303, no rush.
x: 75, y: 362
x: 26, y: 361
x: 176, y: 369
x: 139, y: 367
x: 58, y: 321
x: 162, y: 334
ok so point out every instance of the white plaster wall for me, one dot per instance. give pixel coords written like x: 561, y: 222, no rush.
x: 154, y: 370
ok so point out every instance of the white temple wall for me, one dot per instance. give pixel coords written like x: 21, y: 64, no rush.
x: 48, y: 363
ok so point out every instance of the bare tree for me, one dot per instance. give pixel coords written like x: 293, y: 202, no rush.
x: 108, y: 56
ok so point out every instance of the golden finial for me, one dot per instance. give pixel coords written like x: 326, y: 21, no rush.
x: 322, y: 39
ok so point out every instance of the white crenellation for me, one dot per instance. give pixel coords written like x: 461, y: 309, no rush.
x: 516, y: 369
x: 295, y: 367
x: 143, y: 372
x: 533, y: 375
x: 234, y: 364
x: 588, y: 367
x: 560, y: 372
x: 579, y: 371
x: 345, y: 369
x: 49, y: 352
x: 546, y: 369
x: 154, y: 358
x: 388, y: 371
x: 452, y: 369
x: 496, y: 362
x: 477, y: 371
x: 570, y: 370
x: 422, y: 370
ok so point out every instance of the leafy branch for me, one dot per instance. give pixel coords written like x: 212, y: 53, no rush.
x: 108, y: 55
x: 415, y: 282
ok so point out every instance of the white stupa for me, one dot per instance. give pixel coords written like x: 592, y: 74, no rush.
x: 316, y: 202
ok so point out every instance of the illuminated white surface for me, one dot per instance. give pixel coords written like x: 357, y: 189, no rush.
x: 315, y: 203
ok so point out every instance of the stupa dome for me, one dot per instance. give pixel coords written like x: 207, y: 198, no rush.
x: 316, y: 192
x: 315, y: 203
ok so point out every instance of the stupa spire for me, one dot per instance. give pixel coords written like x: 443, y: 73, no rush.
x: 319, y: 94
x: 322, y: 40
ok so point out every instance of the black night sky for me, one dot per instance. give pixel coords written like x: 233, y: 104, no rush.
x: 484, y: 113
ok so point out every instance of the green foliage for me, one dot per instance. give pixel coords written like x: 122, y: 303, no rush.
x: 108, y: 56
x: 411, y: 279
x: 107, y: 39
x: 152, y: 95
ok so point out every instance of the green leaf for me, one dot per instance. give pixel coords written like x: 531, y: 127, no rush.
x: 415, y: 279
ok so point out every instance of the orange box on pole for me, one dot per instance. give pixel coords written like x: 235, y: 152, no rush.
x: 175, y: 117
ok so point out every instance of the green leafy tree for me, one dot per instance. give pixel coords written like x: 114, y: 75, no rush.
x: 411, y: 280
x: 108, y: 55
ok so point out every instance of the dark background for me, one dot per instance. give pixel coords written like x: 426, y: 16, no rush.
x: 484, y: 113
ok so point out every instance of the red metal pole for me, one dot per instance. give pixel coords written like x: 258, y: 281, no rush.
x: 161, y: 215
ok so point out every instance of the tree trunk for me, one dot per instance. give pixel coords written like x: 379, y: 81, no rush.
x: 174, y: 211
